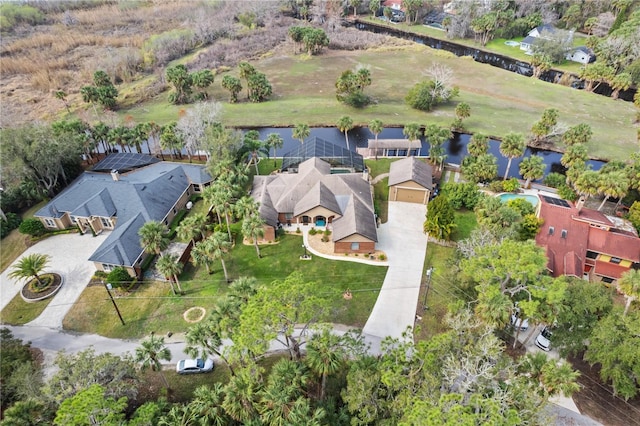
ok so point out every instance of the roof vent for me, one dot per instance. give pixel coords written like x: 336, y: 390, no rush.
x: 115, y: 175
x: 551, y: 230
x: 563, y: 234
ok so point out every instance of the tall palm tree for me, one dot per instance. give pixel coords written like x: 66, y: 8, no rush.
x: 206, y: 405
x: 376, y: 127
x: 219, y: 246
x: 586, y: 183
x: 613, y: 184
x: 274, y: 141
x: 254, y: 147
x: 629, y: 284
x: 412, y: 132
x: 154, y: 237
x: 246, y: 206
x: 478, y: 144
x: 574, y: 155
x: 301, y: 132
x: 149, y: 354
x: 170, y: 267
x: 512, y: 146
x: 325, y: 356
x: 532, y: 168
x: 30, y: 266
x: 193, y: 226
x: 437, y: 136
x: 253, y: 228
x: 201, y: 254
x: 204, y: 340
x: 345, y: 123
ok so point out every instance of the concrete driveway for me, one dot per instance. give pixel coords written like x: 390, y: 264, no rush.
x: 405, y: 244
x: 69, y: 254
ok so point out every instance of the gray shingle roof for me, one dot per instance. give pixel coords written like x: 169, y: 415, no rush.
x: 411, y: 169
x: 147, y: 193
x: 347, y: 194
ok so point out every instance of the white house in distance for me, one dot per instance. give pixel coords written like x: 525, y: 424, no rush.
x: 581, y: 54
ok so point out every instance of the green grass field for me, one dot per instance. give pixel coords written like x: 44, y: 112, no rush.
x: 501, y: 101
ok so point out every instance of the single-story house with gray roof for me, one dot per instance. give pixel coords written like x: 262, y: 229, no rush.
x: 342, y: 202
x: 121, y: 203
x: 410, y: 180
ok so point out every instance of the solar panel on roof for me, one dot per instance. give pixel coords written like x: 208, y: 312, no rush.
x: 124, y: 161
x: 556, y: 201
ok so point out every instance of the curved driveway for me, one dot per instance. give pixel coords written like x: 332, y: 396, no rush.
x: 405, y: 244
x: 69, y: 254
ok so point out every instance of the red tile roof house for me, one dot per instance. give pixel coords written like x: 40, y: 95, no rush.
x: 343, y: 202
x: 585, y: 243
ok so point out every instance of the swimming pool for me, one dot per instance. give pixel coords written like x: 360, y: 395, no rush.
x: 530, y: 198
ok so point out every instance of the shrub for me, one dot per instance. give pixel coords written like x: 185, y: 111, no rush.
x: 382, y: 257
x: 567, y: 193
x: 327, y: 232
x: 511, y: 185
x: 313, y: 231
x: 497, y: 186
x: 12, y: 222
x: 521, y: 205
x: 462, y: 194
x: 325, y: 239
x: 298, y: 230
x: 555, y: 180
x: 119, y: 277
x: 634, y: 215
x: 33, y: 227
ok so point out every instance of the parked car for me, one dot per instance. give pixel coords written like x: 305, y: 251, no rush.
x: 543, y: 341
x: 192, y: 366
x: 517, y: 321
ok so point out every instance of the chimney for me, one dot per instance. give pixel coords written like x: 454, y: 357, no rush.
x: 115, y: 175
x: 580, y: 204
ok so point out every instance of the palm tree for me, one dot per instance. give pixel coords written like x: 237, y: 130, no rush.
x: 345, y: 123
x: 412, y: 132
x: 463, y: 110
x: 629, y: 284
x: 324, y: 356
x: 252, y: 229
x: 219, y: 246
x: 613, y: 184
x: 512, y: 146
x: 376, y: 126
x: 254, y: 147
x: 220, y: 195
x: 532, y: 168
x: 192, y: 227
x: 170, y: 267
x: 437, y: 136
x: 574, y: 155
x: 201, y: 254
x: 246, y: 206
x: 204, y: 340
x: 586, y: 183
x: 206, y: 405
x: 149, y: 354
x: 274, y: 141
x: 301, y: 132
x: 154, y: 237
x: 30, y: 266
x: 478, y: 144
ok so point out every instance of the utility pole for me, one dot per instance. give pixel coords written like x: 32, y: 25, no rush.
x: 108, y: 287
x: 426, y: 290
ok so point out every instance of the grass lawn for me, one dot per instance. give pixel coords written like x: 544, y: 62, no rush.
x: 152, y: 307
x: 465, y: 223
x: 14, y: 244
x: 381, y: 199
x: 441, y: 291
x: 380, y: 166
x: 501, y: 101
x: 18, y: 312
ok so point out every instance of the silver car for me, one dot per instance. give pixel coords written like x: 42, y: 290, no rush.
x: 192, y: 366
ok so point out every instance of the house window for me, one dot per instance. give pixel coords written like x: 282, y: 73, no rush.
x: 74, y: 220
x: 592, y: 254
x: 607, y: 280
x: 174, y: 210
x: 107, y: 267
x: 106, y: 222
x: 288, y: 216
x: 50, y: 223
x: 355, y: 246
x: 615, y: 260
x: 196, y: 188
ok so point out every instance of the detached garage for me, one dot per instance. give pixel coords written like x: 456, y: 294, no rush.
x: 410, y: 181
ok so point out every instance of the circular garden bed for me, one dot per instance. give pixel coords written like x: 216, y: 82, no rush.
x: 48, y: 286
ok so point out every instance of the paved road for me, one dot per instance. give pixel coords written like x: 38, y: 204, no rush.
x: 405, y: 244
x: 69, y: 254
